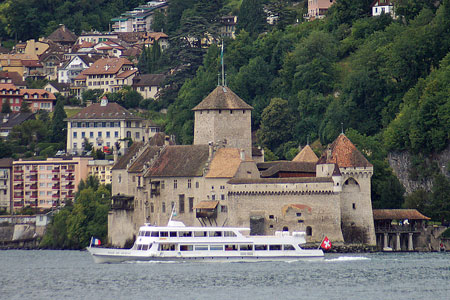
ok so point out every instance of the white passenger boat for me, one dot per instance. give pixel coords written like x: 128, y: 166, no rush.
x: 176, y: 242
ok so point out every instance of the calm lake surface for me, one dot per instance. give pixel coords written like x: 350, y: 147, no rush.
x: 73, y: 275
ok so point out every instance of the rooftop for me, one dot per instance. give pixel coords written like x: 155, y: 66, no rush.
x: 222, y: 97
x: 398, y: 214
x: 225, y: 163
x: 306, y: 155
x: 111, y: 111
x: 345, y: 154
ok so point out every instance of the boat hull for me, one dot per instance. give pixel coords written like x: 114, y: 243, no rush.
x: 107, y: 255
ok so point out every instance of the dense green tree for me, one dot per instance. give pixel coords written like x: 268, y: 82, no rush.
x: 159, y: 22
x: 25, y: 107
x: 29, y: 133
x: 251, y: 17
x: 6, y: 108
x: 59, y: 126
x: 92, y: 95
x: 276, y: 124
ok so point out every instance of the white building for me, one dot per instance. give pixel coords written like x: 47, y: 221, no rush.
x: 382, y: 7
x: 102, y: 125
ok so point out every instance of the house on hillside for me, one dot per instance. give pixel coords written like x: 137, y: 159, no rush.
x: 148, y: 85
x: 12, y: 94
x: 108, y: 74
x: 39, y: 99
x: 228, y: 26
x: 140, y: 18
x: 382, y: 7
x: 74, y: 66
x: 12, y: 78
x: 317, y: 9
x: 56, y: 87
x: 23, y: 64
x: 63, y: 37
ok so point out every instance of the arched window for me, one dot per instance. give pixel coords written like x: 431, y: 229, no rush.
x: 285, y: 228
x: 128, y: 134
x: 308, y: 231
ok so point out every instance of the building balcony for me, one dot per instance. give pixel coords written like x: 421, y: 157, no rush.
x: 18, y: 171
x: 33, y: 178
x: 3, y: 187
x: 34, y: 171
x: 18, y: 187
x: 34, y: 187
x: 55, y: 178
x: 70, y: 186
x: 55, y: 170
x: 211, y: 214
x: 4, y: 175
x: 55, y: 187
x: 18, y: 204
x: 55, y: 195
x: 18, y: 179
x: 33, y: 196
x: 18, y: 196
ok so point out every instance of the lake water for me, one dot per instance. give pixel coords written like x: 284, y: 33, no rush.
x: 73, y: 275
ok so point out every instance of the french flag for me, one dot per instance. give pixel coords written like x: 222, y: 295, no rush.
x: 96, y: 242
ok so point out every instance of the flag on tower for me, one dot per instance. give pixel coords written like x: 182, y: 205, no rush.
x: 326, y: 244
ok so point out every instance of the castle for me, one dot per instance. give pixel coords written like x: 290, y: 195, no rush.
x: 221, y: 180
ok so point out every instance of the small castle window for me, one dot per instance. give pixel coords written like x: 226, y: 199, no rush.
x: 220, y: 111
x: 270, y: 226
x: 231, y: 111
x: 299, y: 214
x: 285, y: 228
x: 271, y: 216
x: 308, y: 231
x: 354, y: 205
x: 299, y: 221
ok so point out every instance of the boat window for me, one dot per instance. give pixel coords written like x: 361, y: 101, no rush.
x: 186, y: 247
x: 201, y: 247
x: 139, y: 247
x: 218, y: 233
x: 141, y: 233
x: 275, y: 247
x: 200, y: 233
x: 155, y: 233
x: 260, y: 247
x: 144, y: 247
x: 185, y: 233
x: 163, y: 234
x: 168, y: 247
x: 288, y: 247
x: 229, y: 233
x: 246, y: 247
x: 147, y: 233
x: 173, y: 234
x: 231, y: 247
x: 216, y: 247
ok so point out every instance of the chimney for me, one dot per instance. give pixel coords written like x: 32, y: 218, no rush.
x: 328, y: 154
x: 116, y: 155
x: 242, y: 154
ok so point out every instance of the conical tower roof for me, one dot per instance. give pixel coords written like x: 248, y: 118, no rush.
x: 222, y: 97
x: 306, y: 155
x: 344, y: 153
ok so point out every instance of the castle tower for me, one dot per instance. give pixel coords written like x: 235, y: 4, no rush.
x: 223, y: 117
x: 355, y: 175
x: 306, y: 155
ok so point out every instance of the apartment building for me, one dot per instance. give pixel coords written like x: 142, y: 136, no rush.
x: 101, y: 169
x: 47, y: 183
x: 5, y: 184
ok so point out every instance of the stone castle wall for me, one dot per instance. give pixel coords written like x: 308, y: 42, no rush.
x: 234, y: 126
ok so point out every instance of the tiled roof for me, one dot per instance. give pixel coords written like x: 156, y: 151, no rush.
x: 14, y: 76
x: 131, y: 37
x: 306, y: 155
x: 180, y: 161
x: 289, y: 167
x: 280, y: 180
x: 60, y: 86
x: 345, y: 154
x: 123, y: 161
x: 148, y: 80
x: 398, y: 214
x: 157, y: 35
x: 8, y: 86
x: 126, y: 74
x: 31, y: 63
x: 111, y: 111
x: 107, y: 66
x: 145, y: 157
x: 17, y: 119
x: 225, y: 163
x: 222, y: 98
x: 39, y: 92
x: 62, y: 34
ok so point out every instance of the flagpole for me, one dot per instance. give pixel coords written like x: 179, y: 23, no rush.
x: 321, y: 243
x: 223, y: 68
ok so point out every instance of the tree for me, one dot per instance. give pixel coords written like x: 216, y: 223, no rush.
x: 6, y: 108
x: 92, y: 95
x: 251, y: 17
x: 276, y: 124
x: 25, y: 107
x: 159, y: 22
x: 59, y: 126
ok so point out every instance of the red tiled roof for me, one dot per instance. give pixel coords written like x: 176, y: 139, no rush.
x: 344, y: 154
x: 39, y: 92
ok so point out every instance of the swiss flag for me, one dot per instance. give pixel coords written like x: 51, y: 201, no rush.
x: 326, y: 244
